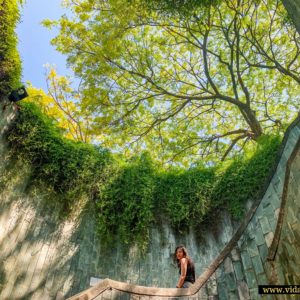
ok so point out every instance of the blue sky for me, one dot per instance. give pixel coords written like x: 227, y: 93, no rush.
x: 34, y: 41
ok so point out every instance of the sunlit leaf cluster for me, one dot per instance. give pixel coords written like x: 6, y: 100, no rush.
x: 63, y: 103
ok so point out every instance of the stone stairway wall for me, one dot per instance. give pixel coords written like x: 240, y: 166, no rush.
x: 59, y: 257
x: 249, y: 264
x: 44, y: 257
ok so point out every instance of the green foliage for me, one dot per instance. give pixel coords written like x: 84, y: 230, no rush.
x: 126, y: 209
x: 185, y: 196
x: 201, y: 86
x: 131, y: 196
x: 194, y: 196
x: 71, y: 168
x: 10, y: 64
x: 171, y: 7
x: 243, y: 178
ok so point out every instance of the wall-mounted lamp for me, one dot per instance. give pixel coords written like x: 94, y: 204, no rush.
x: 18, y: 94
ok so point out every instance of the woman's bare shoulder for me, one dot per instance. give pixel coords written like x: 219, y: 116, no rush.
x: 183, y: 260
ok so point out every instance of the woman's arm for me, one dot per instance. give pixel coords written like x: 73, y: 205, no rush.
x: 183, y: 269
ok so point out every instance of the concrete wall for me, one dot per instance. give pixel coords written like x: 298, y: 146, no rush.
x: 246, y: 266
x: 54, y: 256
x: 44, y: 257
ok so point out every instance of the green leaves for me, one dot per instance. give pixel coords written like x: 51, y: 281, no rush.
x: 10, y: 63
x: 70, y: 168
x: 243, y: 178
x: 131, y: 196
x: 186, y: 87
x: 126, y: 209
x: 185, y: 196
x: 175, y: 7
x: 145, y: 75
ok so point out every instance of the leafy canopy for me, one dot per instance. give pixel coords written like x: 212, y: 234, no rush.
x: 201, y: 86
x: 174, y: 7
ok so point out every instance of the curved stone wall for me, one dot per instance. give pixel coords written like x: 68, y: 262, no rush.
x: 66, y: 257
x: 45, y: 258
x: 267, y: 251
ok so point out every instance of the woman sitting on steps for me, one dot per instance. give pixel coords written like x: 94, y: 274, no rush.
x: 186, y: 267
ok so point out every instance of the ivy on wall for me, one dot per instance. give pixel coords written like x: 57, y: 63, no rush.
x: 126, y: 208
x: 130, y: 196
x: 70, y: 168
x: 10, y: 63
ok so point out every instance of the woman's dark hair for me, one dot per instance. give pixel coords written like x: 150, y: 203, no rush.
x: 185, y: 254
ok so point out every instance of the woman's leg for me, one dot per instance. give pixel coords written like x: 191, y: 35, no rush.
x: 187, y: 284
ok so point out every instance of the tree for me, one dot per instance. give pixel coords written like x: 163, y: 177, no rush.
x: 10, y: 63
x: 62, y: 103
x: 293, y: 9
x: 177, y: 7
x: 187, y: 7
x: 187, y: 87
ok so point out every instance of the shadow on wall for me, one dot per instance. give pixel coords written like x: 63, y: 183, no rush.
x: 42, y: 255
x: 38, y: 252
x: 45, y: 254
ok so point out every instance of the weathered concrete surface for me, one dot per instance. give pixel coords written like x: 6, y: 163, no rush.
x: 45, y: 257
x: 285, y: 269
x: 246, y: 266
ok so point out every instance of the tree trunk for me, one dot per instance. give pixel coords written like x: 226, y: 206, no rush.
x: 250, y: 118
x: 293, y: 9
